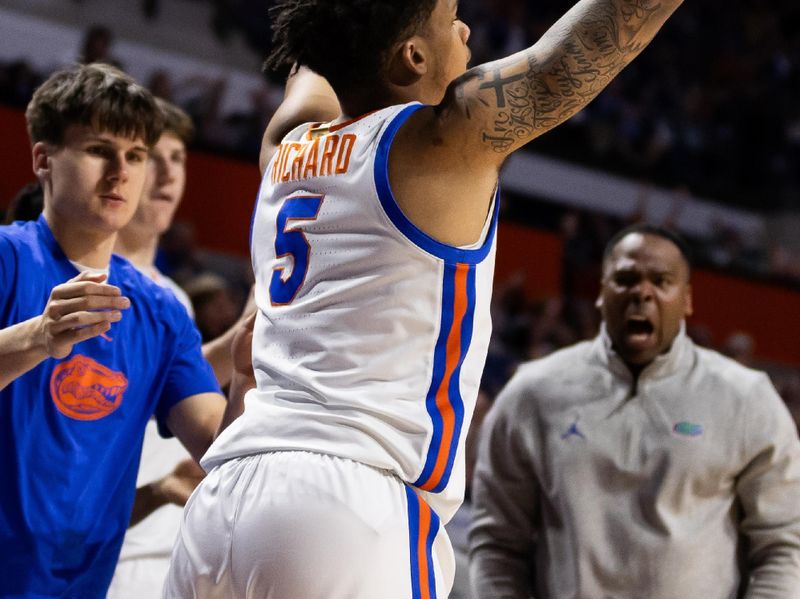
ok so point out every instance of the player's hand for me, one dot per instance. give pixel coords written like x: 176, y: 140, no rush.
x: 177, y: 486
x: 82, y: 308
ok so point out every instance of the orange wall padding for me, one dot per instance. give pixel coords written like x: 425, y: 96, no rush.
x: 219, y: 200
x: 221, y: 194
x: 534, y: 254
x: 770, y: 313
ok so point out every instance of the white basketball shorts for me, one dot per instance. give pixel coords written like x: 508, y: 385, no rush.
x: 299, y: 525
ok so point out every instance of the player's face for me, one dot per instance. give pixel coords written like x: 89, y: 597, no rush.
x: 645, y: 295
x: 448, y: 37
x: 94, y: 179
x: 164, y: 184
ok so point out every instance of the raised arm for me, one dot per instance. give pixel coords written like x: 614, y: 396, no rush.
x: 444, y: 167
x: 498, y: 107
x: 307, y: 98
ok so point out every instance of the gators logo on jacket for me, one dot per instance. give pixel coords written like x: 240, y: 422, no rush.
x: 85, y: 390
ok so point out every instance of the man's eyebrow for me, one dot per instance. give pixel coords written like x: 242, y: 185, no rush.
x: 110, y: 142
x: 99, y: 138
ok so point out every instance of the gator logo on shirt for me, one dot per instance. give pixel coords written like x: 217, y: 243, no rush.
x: 688, y: 429
x: 85, y: 390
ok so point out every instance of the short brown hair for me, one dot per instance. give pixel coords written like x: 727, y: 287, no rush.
x: 176, y: 121
x: 95, y: 95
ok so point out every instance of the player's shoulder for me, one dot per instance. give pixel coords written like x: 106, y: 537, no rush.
x: 563, y: 362
x: 21, y: 243
x: 726, y: 373
x: 544, y: 379
x: 18, y: 234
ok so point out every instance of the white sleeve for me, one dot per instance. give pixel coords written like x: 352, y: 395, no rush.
x: 768, y: 490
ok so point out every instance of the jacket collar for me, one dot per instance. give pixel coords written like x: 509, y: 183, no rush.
x: 675, y: 359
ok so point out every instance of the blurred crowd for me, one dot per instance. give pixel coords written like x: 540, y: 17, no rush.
x: 712, y: 109
x: 235, y: 133
x: 713, y: 104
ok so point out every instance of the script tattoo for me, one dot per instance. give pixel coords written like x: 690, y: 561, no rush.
x: 591, y: 52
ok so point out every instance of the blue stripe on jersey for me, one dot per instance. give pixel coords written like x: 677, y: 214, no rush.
x: 413, y: 536
x: 406, y: 227
x: 434, y: 530
x: 423, y: 583
x: 428, y: 476
x: 439, y: 366
x: 455, y: 382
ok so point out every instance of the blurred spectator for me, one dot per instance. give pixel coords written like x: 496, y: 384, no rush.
x: 96, y: 46
x: 215, y: 310
x: 700, y: 334
x: 18, y: 81
x: 740, y: 346
x: 26, y: 205
x: 177, y: 255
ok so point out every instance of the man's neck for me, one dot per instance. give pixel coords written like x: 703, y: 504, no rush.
x: 138, y: 248
x: 86, y: 246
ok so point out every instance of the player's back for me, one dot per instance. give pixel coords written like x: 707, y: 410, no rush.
x: 371, y: 336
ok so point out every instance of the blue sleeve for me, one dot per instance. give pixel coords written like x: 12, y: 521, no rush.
x: 188, y: 373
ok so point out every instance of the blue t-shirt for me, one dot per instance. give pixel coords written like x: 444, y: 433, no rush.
x: 71, y: 430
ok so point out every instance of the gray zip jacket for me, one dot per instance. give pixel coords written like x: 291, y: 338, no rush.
x: 684, y: 486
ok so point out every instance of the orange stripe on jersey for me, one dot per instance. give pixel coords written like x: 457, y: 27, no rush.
x: 423, y: 527
x: 422, y: 549
x: 443, y: 400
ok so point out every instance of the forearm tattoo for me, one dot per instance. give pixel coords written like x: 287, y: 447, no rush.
x: 587, y: 54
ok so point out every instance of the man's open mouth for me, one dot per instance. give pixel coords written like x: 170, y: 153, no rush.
x: 639, y: 326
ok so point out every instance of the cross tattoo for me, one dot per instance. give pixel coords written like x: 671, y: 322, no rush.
x: 498, y: 83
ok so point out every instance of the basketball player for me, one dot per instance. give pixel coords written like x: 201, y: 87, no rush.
x: 89, y: 347
x: 373, y: 245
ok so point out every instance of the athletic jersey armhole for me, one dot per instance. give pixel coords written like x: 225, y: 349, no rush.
x: 413, y: 233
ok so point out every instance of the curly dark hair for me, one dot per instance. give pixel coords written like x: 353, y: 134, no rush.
x: 345, y: 41
x: 97, y: 95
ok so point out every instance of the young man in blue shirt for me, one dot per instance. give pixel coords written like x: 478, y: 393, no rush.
x: 89, y: 347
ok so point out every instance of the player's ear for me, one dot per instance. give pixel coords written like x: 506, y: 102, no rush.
x: 689, y: 305
x: 40, y: 153
x: 408, y: 63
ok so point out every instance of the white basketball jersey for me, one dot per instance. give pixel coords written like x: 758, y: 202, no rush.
x: 371, y: 336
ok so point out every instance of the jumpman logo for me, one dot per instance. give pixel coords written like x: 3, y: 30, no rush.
x: 573, y: 431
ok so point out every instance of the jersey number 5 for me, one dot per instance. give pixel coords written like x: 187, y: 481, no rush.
x: 292, y: 242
